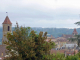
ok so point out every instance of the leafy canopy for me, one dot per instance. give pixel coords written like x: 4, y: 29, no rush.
x: 25, y: 44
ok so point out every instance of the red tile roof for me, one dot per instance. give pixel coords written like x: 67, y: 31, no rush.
x: 7, y: 21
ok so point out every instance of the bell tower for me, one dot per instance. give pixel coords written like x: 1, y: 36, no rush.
x: 7, y: 27
x: 74, y: 32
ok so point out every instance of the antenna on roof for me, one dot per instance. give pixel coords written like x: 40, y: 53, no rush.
x: 7, y: 13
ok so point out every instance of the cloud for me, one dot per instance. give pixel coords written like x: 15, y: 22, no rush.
x: 41, y: 13
x: 48, y: 4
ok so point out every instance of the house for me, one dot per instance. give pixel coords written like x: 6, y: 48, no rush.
x: 60, y: 41
x: 51, y: 38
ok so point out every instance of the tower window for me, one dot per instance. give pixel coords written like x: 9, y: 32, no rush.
x: 8, y: 28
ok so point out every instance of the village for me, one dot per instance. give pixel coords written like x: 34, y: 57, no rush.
x: 62, y: 44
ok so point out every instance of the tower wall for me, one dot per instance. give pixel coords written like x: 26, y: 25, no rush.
x: 5, y: 31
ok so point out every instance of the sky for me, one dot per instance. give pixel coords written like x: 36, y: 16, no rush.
x: 41, y: 13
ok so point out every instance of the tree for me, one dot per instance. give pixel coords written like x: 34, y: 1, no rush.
x: 25, y: 44
x: 76, y: 37
x: 72, y: 58
x: 78, y: 23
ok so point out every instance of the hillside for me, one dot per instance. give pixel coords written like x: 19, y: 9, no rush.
x: 56, y: 32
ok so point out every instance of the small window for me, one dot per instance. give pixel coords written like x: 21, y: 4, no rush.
x: 8, y: 28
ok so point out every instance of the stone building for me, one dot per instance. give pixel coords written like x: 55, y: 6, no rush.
x: 60, y: 41
x: 7, y: 27
x: 70, y: 36
x: 74, y: 32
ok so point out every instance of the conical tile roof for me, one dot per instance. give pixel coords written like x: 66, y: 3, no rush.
x: 7, y: 21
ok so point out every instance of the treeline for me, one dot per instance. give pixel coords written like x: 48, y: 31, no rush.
x: 56, y: 32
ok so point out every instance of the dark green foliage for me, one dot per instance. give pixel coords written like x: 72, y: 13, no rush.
x: 78, y: 54
x: 58, y: 56
x: 53, y: 56
x: 25, y: 44
x: 72, y: 58
x: 78, y: 23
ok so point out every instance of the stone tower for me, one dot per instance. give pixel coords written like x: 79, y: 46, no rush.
x: 74, y: 32
x: 7, y: 27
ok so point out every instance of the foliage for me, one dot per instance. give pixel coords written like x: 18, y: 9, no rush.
x: 53, y: 56
x: 76, y: 38
x: 58, y: 56
x: 25, y: 44
x: 78, y: 54
x: 78, y: 23
x: 72, y: 58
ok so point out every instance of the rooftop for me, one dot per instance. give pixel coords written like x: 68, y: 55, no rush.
x: 7, y: 21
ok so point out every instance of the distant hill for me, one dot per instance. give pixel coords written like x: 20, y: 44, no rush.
x: 56, y: 32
